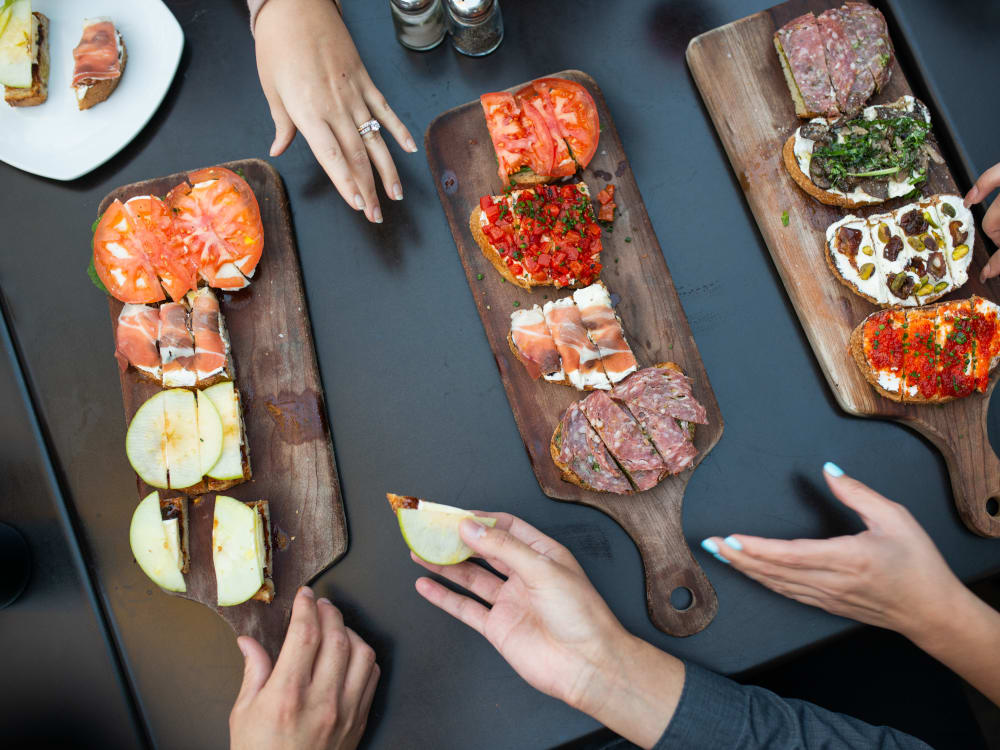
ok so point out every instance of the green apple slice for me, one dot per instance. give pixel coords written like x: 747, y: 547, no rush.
x: 431, y: 531
x: 210, y: 433
x: 238, y: 551
x: 17, y: 44
x: 156, y: 544
x: 145, y: 442
x: 181, y: 438
x: 226, y: 401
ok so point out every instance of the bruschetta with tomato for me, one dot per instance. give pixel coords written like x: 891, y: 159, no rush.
x: 542, y: 132
x: 541, y: 236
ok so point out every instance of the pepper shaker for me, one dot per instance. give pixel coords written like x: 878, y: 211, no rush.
x: 476, y: 26
x: 419, y: 23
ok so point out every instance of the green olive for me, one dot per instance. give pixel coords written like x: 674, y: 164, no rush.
x: 947, y: 209
x: 960, y: 252
x: 866, y: 271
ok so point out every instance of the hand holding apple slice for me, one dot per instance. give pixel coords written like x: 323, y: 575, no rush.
x: 431, y: 529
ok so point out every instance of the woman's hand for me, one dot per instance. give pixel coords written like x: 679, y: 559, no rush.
x: 550, y: 624
x: 315, y: 83
x: 890, y: 575
x: 318, y: 693
x: 988, y: 181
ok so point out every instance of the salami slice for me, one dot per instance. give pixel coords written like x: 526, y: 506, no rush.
x: 663, y: 390
x: 867, y: 30
x: 624, y: 439
x: 583, y: 453
x: 853, y: 84
x: 802, y: 45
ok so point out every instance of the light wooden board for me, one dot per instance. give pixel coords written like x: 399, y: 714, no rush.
x: 291, y: 449
x: 464, y: 167
x: 738, y: 74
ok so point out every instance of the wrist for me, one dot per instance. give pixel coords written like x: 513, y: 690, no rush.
x: 939, y: 621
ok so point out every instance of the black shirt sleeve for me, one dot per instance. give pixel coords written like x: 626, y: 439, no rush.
x: 715, y: 712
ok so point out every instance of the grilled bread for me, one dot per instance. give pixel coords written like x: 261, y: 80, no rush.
x: 38, y: 91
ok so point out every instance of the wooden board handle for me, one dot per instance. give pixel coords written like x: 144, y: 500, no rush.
x: 973, y: 466
x: 667, y: 562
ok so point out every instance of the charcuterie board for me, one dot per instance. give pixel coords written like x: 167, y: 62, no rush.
x: 753, y: 125
x: 464, y: 167
x: 290, y: 446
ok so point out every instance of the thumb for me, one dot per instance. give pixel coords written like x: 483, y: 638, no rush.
x: 992, y: 267
x: 496, y: 544
x: 284, y: 129
x: 859, y: 497
x: 256, y: 667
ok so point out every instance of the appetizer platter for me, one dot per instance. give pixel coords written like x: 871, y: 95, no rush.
x: 840, y: 164
x: 79, y: 80
x: 592, y: 344
x: 227, y: 428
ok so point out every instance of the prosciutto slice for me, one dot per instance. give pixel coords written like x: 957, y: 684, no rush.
x: 605, y: 330
x: 530, y: 336
x: 581, y: 360
x: 96, y: 56
x: 210, y: 347
x: 136, y: 337
x: 176, y: 346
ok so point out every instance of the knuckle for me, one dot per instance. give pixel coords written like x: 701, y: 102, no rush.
x: 308, y: 634
x: 367, y: 656
x: 287, y: 708
x: 359, y: 157
x: 330, y: 152
x: 340, y: 642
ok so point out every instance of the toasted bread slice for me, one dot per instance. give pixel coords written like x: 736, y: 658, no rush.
x: 38, y: 92
x: 793, y: 88
x: 517, y: 355
x: 176, y: 507
x: 491, y: 253
x: 266, y: 592
x: 803, y: 181
x: 527, y: 177
x: 90, y: 94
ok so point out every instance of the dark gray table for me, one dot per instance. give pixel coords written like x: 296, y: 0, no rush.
x: 412, y: 391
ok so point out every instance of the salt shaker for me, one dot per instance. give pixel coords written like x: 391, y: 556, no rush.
x: 419, y: 23
x: 475, y: 26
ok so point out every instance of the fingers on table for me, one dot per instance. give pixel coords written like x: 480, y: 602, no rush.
x: 302, y: 641
x: 326, y: 148
x: 875, y: 509
x: 284, y: 127
x: 334, y: 653
x: 381, y: 110
x: 462, y: 608
x: 360, y: 670
x: 256, y: 668
x: 468, y: 575
x: 355, y: 151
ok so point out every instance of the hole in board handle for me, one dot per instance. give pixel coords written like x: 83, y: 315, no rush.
x: 993, y: 506
x: 681, y: 598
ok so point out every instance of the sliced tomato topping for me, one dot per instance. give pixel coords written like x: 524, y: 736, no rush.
x: 153, y: 229
x: 218, y: 220
x: 606, y: 195
x: 511, y: 140
x: 562, y: 163
x: 121, y: 260
x: 576, y: 116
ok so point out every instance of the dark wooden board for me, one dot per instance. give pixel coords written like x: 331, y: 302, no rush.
x: 464, y: 167
x: 738, y: 74
x: 291, y: 449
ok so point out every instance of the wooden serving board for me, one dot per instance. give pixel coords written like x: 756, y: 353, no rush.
x: 291, y: 449
x: 464, y: 166
x: 738, y: 74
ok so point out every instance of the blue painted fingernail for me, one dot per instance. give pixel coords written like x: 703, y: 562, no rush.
x: 709, y: 546
x: 733, y: 542
x: 832, y: 469
x: 721, y: 559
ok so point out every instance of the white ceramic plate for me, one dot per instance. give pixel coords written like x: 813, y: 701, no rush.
x: 57, y: 140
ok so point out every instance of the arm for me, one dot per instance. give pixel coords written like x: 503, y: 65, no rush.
x: 550, y: 624
x: 318, y: 693
x: 988, y: 182
x: 890, y: 575
x: 316, y: 84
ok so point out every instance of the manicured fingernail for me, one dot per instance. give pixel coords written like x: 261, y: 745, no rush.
x: 733, y: 542
x: 709, y: 546
x: 832, y: 469
x: 324, y: 600
x: 306, y: 591
x: 721, y: 559
x: 397, y: 192
x: 473, y: 529
x: 411, y: 146
x: 359, y: 202
x: 377, y: 215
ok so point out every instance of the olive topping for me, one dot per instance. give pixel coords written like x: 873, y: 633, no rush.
x: 947, y: 209
x: 958, y: 236
x: 940, y: 286
x: 848, y: 241
x: 883, y: 232
x: 936, y: 265
x: 917, y: 266
x: 929, y: 243
x: 913, y: 222
x: 892, y: 248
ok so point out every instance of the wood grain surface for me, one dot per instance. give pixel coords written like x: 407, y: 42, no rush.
x: 738, y: 74
x: 464, y: 167
x: 291, y: 449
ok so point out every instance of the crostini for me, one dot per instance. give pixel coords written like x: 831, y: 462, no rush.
x: 99, y: 62
x: 24, y: 55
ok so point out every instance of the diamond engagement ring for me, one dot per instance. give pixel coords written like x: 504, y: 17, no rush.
x: 372, y: 126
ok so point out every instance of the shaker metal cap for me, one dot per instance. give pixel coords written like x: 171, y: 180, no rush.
x: 469, y: 9
x: 412, y: 6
